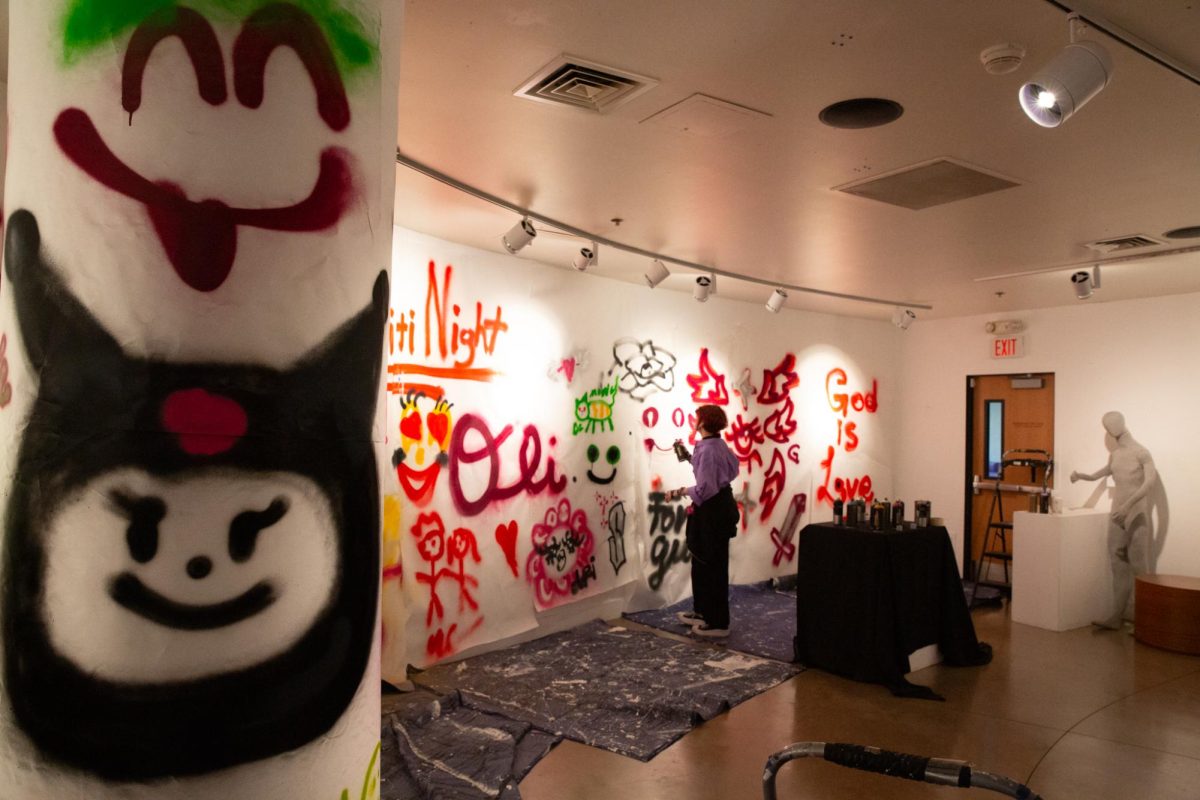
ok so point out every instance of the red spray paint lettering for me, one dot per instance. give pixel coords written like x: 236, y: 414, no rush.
x: 529, y: 463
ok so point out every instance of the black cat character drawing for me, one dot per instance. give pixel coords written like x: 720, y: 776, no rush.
x: 191, y: 558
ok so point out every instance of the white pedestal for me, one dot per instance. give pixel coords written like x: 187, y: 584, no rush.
x: 1061, y: 577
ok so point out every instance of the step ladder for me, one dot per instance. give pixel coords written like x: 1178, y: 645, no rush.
x: 995, y: 548
x: 995, y: 537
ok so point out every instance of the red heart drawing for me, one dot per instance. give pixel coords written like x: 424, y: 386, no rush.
x: 410, y: 426
x: 439, y: 427
x: 506, y: 537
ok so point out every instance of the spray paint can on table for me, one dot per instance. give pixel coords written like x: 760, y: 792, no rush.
x: 898, y: 515
x: 838, y: 514
x: 921, y: 512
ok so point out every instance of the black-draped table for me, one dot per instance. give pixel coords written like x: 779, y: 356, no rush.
x: 866, y: 599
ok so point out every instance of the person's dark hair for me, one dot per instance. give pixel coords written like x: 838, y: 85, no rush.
x: 712, y: 418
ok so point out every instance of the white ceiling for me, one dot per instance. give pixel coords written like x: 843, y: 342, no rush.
x: 759, y: 202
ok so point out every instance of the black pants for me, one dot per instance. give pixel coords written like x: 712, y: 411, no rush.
x: 709, y: 530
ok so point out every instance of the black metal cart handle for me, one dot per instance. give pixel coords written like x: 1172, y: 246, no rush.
x: 940, y: 771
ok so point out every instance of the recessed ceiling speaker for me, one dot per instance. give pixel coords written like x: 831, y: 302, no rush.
x: 1066, y: 84
x: 519, y: 235
x: 861, y: 112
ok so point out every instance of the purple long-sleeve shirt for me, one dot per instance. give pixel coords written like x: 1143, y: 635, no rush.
x: 714, y: 466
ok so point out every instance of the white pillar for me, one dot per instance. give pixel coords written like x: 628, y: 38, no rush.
x: 198, y: 219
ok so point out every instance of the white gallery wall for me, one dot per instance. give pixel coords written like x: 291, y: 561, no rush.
x: 530, y: 416
x: 1136, y: 357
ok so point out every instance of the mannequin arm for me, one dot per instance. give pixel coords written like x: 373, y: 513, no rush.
x: 1103, y: 472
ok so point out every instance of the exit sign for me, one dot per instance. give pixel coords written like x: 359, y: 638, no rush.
x: 1008, y: 347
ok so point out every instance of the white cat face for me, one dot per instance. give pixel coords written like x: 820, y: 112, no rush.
x: 153, y: 580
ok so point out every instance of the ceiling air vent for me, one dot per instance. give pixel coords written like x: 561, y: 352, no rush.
x: 1120, y: 243
x: 928, y: 184
x: 575, y: 82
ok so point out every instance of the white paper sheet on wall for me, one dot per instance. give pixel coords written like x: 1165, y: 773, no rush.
x: 535, y: 411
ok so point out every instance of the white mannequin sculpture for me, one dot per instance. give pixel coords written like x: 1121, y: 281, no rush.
x: 1133, y: 473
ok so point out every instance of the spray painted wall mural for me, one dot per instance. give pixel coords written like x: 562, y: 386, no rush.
x: 190, y: 559
x: 532, y: 428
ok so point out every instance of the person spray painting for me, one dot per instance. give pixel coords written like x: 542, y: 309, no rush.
x: 1133, y: 473
x: 712, y: 522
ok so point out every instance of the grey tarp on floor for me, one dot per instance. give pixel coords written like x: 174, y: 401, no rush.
x: 762, y: 620
x: 435, y: 748
x: 631, y: 692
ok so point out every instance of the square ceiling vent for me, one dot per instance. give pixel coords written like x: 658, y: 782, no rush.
x: 1117, y: 244
x: 578, y: 83
x: 928, y: 184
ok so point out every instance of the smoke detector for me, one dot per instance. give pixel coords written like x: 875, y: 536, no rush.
x: 1001, y: 59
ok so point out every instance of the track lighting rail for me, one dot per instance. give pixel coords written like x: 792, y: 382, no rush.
x: 705, y: 269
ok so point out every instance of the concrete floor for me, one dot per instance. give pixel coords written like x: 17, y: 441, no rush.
x: 1079, y: 714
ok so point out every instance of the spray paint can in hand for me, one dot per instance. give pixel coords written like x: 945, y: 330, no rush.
x: 681, y: 452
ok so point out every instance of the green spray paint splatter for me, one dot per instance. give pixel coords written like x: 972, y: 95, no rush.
x: 370, y: 788
x: 91, y: 23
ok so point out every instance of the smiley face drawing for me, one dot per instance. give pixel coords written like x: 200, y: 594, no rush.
x: 191, y: 550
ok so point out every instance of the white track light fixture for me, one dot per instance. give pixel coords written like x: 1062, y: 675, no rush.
x: 657, y: 273
x: 705, y: 285
x: 902, y: 318
x: 1082, y: 281
x: 776, y: 301
x: 519, y: 235
x: 1096, y: 277
x: 585, y: 258
x: 1063, y: 86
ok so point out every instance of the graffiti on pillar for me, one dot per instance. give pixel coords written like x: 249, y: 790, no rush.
x: 224, y: 517
x: 199, y: 236
x: 5, y: 386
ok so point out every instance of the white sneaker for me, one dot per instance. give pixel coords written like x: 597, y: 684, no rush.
x: 704, y: 629
x: 690, y: 618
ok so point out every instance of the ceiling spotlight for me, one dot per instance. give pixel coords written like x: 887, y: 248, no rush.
x: 903, y: 317
x: 657, y: 273
x: 776, y: 301
x: 1063, y: 86
x: 586, y: 258
x: 519, y: 235
x: 1096, y: 277
x: 1082, y: 281
x: 705, y: 285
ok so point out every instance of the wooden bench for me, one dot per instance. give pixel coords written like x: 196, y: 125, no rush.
x: 1167, y: 612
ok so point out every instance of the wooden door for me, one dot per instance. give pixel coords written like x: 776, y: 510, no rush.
x: 1027, y: 403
